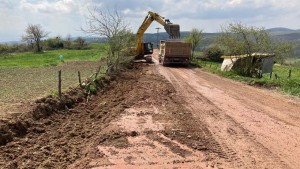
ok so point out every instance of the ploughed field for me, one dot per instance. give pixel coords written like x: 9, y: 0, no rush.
x: 21, y: 86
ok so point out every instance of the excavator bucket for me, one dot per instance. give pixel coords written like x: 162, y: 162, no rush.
x: 173, y: 30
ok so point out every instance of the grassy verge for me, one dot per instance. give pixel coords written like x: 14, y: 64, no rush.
x: 51, y: 58
x: 282, y: 82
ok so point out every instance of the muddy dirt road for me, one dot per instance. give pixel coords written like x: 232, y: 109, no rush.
x: 164, y: 117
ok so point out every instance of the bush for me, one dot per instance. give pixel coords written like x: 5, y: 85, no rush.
x: 92, y: 88
x: 80, y: 43
x: 3, y: 49
x: 54, y: 43
x: 7, y: 49
x: 214, y: 53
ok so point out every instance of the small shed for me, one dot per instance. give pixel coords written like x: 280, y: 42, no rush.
x: 262, y: 61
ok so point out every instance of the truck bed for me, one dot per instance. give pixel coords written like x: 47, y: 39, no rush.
x: 177, y: 49
x: 172, y: 52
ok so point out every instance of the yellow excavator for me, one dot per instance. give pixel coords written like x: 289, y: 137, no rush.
x: 147, y: 48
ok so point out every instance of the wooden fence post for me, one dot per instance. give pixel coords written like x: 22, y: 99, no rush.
x: 59, y: 84
x: 290, y: 73
x: 79, y: 78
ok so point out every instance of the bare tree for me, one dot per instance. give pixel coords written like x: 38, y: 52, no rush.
x: 113, y: 27
x: 35, y: 33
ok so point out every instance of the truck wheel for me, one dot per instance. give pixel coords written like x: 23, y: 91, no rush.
x: 164, y: 63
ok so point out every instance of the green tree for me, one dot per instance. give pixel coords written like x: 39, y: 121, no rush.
x: 239, y: 39
x: 54, y: 43
x: 35, y: 33
x: 282, y: 51
x: 79, y: 43
x: 214, y: 53
x: 68, y: 42
x: 119, y: 45
x: 195, y: 38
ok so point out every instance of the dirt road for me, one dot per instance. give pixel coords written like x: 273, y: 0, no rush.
x: 165, y: 117
x: 255, y: 128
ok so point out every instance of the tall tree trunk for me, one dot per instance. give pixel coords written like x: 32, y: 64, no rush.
x: 38, y: 46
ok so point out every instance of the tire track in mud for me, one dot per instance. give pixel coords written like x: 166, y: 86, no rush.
x: 193, y: 131
x: 216, y: 147
x: 271, y: 126
x: 149, y: 148
x: 234, y: 143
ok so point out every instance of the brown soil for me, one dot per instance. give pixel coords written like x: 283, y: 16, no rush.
x: 162, y: 117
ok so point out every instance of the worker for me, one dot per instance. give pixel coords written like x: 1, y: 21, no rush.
x: 61, y: 58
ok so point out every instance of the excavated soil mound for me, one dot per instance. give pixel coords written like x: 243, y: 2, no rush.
x: 17, y: 125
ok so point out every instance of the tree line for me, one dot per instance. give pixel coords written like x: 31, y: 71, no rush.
x: 35, y: 40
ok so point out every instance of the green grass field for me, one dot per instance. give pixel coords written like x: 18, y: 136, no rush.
x: 51, y: 58
x: 283, y: 83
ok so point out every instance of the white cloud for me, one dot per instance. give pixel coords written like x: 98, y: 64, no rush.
x: 67, y: 16
x: 44, y: 6
x: 4, y: 4
x: 235, y: 3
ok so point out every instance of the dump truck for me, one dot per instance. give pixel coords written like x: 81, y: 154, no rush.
x: 174, y: 52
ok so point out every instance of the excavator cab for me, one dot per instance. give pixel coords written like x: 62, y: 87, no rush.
x: 148, y: 48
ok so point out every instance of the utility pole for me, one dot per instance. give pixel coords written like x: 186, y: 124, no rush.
x: 157, y: 36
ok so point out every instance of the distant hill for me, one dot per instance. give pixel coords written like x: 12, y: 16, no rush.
x: 279, y: 33
x: 282, y: 34
x: 287, y: 35
x: 293, y: 36
x: 280, y: 30
x: 11, y: 42
x: 152, y: 37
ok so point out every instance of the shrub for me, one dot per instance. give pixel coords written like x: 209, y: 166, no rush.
x: 92, y: 88
x: 54, y: 43
x: 214, y: 53
x: 13, y: 48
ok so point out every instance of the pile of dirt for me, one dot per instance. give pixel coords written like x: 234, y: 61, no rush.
x: 17, y: 125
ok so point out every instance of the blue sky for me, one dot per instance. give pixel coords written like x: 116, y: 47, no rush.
x: 63, y: 17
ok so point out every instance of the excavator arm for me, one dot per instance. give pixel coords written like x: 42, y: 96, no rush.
x: 172, y: 29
